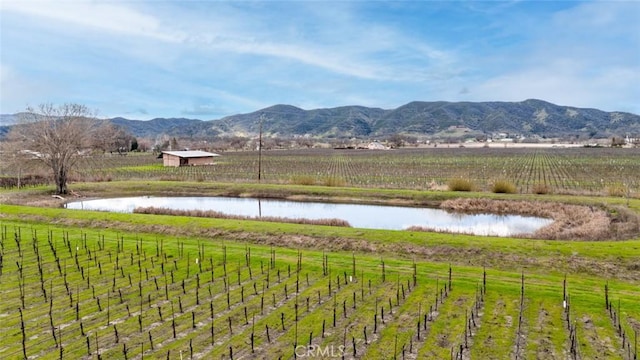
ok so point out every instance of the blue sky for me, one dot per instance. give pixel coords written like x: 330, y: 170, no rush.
x: 208, y: 59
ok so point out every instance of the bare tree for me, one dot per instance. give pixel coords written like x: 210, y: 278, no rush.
x: 109, y: 138
x: 396, y: 140
x: 55, y: 135
x: 618, y: 141
x: 144, y: 145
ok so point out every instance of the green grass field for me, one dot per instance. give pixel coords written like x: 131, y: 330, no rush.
x: 86, y: 285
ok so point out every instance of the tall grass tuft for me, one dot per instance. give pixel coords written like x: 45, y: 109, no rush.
x: 303, y: 180
x: 333, y: 181
x: 461, y: 185
x: 540, y: 189
x: 616, y: 190
x: 503, y: 187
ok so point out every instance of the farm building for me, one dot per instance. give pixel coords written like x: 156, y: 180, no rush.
x: 375, y: 145
x: 187, y: 158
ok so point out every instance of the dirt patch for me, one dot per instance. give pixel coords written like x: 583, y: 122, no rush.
x: 442, y: 340
x: 603, y: 347
x: 544, y: 344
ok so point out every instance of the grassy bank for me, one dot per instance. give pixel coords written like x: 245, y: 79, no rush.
x: 40, y: 195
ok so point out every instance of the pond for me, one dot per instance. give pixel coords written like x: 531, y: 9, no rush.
x: 359, y: 216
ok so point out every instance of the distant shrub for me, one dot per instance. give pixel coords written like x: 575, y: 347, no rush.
x: 461, y: 185
x: 303, y: 180
x: 540, y: 189
x: 333, y: 181
x: 27, y: 180
x: 503, y: 187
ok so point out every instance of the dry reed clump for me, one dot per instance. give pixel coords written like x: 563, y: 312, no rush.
x: 419, y: 228
x: 616, y: 190
x: 503, y: 187
x: 624, y: 221
x: 219, y: 215
x: 571, y: 222
x: 461, y: 185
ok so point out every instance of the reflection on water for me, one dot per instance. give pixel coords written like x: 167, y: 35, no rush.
x: 359, y: 216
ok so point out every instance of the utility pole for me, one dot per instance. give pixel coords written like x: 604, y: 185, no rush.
x: 260, y: 149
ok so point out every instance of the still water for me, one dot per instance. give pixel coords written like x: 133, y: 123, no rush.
x: 359, y: 216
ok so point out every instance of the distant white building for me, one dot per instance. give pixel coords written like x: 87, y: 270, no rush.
x: 375, y: 145
x: 187, y: 158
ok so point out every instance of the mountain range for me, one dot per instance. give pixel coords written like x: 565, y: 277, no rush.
x: 418, y: 118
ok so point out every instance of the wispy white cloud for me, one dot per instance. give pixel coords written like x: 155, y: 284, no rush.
x: 583, y: 55
x: 346, y: 46
x: 178, y: 57
x: 117, y: 17
x: 351, y: 51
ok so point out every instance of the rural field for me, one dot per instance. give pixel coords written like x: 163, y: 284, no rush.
x: 572, y: 170
x: 589, y: 171
x: 93, y: 285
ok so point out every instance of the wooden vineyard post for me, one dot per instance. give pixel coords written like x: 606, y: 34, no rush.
x: 253, y: 331
x: 519, y: 331
x: 267, y: 330
x: 395, y: 347
x: 375, y: 318
x: 484, y: 278
x: 173, y: 321
x: 364, y: 331
x: 606, y: 295
x: 635, y: 346
x: 353, y: 266
x: 419, y: 316
x: 24, y: 335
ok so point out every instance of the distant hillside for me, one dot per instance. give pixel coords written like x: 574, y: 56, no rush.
x: 286, y: 120
x: 154, y: 127
x: 8, y: 119
x: 529, y: 117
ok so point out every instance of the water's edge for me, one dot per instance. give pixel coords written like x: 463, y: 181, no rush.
x: 358, y: 215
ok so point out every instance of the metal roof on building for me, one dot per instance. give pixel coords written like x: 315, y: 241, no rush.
x: 190, y: 153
